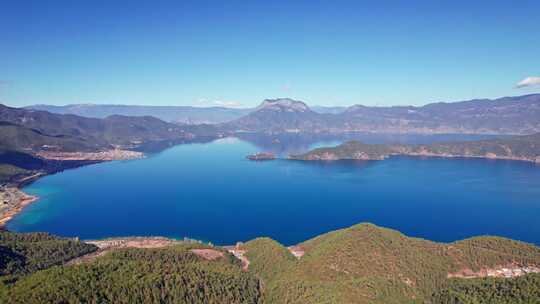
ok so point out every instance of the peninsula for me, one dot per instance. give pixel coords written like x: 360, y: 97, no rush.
x: 522, y: 148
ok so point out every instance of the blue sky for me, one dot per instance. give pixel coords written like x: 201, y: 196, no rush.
x: 241, y: 52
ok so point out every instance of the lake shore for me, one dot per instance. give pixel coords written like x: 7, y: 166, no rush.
x: 13, y: 201
x: 329, y: 156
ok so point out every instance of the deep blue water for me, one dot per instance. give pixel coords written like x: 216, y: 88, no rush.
x: 211, y: 192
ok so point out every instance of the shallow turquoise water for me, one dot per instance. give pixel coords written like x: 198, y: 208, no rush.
x: 211, y: 192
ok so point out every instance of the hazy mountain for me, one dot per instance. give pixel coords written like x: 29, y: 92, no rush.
x: 26, y: 135
x: 280, y: 115
x: 92, y: 132
x: 508, y: 115
x: 177, y: 114
x: 328, y: 109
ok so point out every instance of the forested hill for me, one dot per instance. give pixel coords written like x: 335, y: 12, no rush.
x: 370, y: 264
x: 360, y: 264
x: 167, y: 275
x: 525, y: 148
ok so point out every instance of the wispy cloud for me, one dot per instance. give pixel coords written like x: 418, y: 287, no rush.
x: 529, y: 82
x: 218, y: 103
x: 228, y: 104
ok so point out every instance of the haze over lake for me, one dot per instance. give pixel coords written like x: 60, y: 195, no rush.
x: 212, y: 192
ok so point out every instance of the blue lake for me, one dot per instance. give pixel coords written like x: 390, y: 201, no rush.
x: 211, y: 192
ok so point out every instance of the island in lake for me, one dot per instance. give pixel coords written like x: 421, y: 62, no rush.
x: 262, y: 156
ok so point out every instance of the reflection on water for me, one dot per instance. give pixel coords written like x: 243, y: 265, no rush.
x: 285, y: 144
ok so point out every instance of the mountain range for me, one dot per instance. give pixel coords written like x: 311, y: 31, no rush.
x: 34, y: 141
x: 86, y: 134
x: 27, y: 132
x: 507, y: 115
x: 176, y: 114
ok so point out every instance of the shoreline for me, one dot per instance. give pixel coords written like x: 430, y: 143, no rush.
x: 425, y: 156
x: 486, y: 157
x: 17, y: 201
x: 13, y: 200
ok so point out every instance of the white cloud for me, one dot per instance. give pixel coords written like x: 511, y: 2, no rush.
x: 227, y: 104
x: 218, y: 103
x: 528, y: 82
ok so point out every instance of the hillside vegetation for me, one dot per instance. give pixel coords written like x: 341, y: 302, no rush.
x: 170, y: 275
x: 360, y: 264
x: 369, y: 264
x: 25, y: 253
x: 521, y: 290
x: 33, y: 269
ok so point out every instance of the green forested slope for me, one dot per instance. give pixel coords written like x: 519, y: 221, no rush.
x: 369, y: 264
x: 171, y: 275
x: 521, y: 290
x: 360, y: 264
x: 25, y: 253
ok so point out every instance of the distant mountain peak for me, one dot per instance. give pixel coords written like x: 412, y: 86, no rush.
x: 355, y: 108
x: 283, y: 104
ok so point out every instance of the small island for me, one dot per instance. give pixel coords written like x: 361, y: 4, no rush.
x: 262, y: 156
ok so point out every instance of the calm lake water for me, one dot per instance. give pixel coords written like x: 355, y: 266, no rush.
x: 211, y: 192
